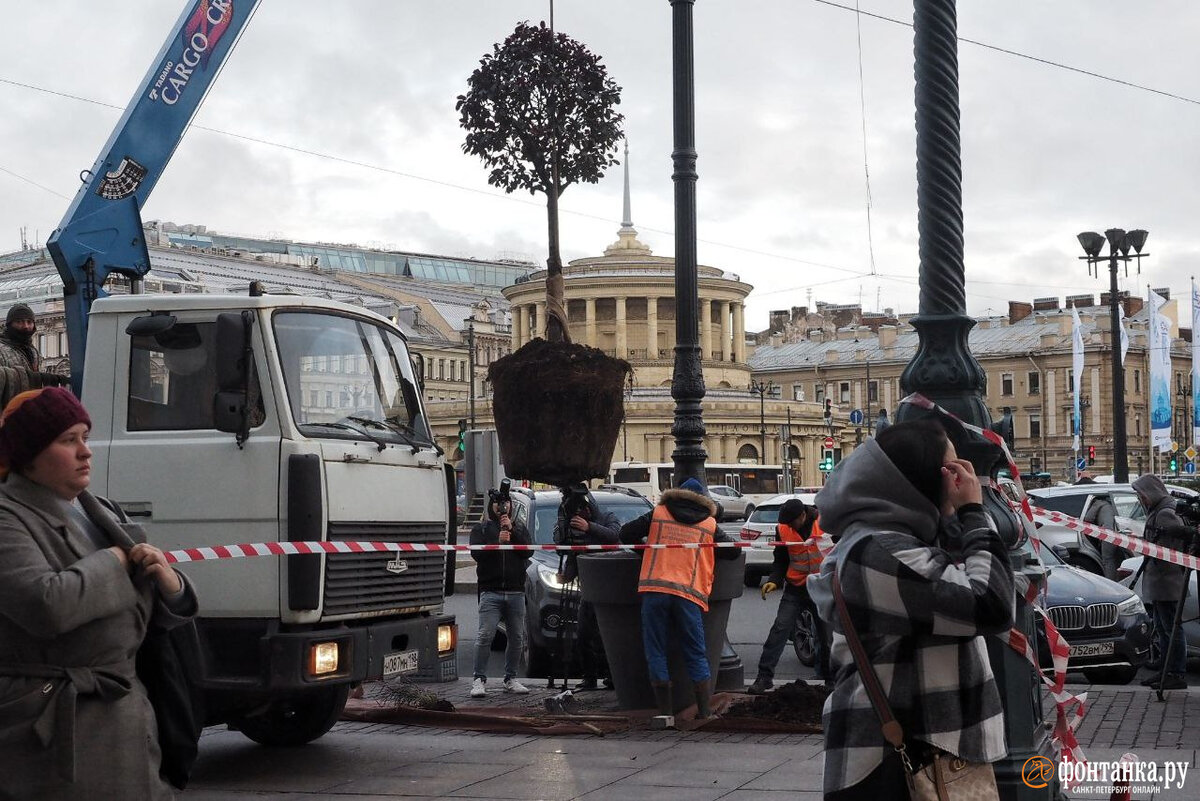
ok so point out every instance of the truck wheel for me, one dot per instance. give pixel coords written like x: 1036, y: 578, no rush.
x: 297, y: 718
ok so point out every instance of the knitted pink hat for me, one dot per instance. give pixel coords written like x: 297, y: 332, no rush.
x: 34, y: 419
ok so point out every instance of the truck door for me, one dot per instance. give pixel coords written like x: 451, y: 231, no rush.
x: 188, y: 483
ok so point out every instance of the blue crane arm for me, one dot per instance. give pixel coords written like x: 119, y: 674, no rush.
x: 101, y: 233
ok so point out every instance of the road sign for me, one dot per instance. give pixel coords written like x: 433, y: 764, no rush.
x: 1190, y: 452
x: 1174, y: 446
x: 1081, y: 464
x: 1189, y: 468
x: 829, y: 442
x: 856, y: 417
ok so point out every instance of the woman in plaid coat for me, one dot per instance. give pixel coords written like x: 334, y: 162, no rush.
x: 921, y: 599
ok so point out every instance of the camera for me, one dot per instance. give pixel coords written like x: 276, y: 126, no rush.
x: 502, y: 495
x: 575, y: 502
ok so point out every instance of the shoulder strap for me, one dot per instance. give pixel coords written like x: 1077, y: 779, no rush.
x: 892, y: 730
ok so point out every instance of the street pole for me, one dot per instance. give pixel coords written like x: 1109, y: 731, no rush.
x: 1119, y: 244
x: 943, y: 368
x: 687, y: 379
x: 762, y: 389
x: 868, y: 399
x: 471, y: 366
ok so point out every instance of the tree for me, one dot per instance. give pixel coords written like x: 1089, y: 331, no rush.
x: 540, y: 111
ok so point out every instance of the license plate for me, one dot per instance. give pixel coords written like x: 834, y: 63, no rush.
x: 401, y: 662
x: 1093, y: 649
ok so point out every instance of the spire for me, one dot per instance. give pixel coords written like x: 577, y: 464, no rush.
x: 627, y: 242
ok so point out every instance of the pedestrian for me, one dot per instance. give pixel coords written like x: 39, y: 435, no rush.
x: 675, y: 584
x: 790, y: 570
x: 1101, y: 512
x: 79, y: 586
x: 921, y: 598
x: 20, y: 362
x: 1163, y: 582
x: 501, y: 588
x: 581, y: 521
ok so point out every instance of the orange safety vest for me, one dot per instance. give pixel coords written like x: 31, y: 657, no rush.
x: 804, y: 558
x: 686, y: 572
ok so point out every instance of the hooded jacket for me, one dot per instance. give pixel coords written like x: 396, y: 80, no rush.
x: 920, y: 614
x: 688, y: 508
x: 499, y: 571
x: 1163, y: 581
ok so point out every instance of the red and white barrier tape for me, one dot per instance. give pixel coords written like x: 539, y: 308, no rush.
x: 1131, y: 543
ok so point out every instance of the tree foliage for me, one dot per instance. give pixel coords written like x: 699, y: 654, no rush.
x: 538, y: 98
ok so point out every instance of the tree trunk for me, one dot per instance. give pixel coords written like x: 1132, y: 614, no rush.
x: 555, y: 326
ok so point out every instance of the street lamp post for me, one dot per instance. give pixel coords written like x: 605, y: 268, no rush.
x: 1119, y: 244
x: 471, y: 368
x: 762, y: 390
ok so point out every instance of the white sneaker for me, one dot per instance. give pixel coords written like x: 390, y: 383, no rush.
x: 479, y: 688
x: 514, y: 686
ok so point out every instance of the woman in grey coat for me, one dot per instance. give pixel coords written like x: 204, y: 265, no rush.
x: 78, y: 587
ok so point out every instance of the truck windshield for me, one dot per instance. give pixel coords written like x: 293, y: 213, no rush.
x: 350, y: 378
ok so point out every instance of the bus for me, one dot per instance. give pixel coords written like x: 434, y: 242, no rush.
x: 651, y: 478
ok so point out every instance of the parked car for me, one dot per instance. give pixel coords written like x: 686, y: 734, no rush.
x: 734, y: 505
x: 1077, y: 500
x: 1104, y: 622
x: 544, y: 593
x: 760, y: 527
x: 1191, y: 610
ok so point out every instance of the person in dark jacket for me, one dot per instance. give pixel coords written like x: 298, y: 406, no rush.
x: 922, y: 598
x: 581, y: 521
x: 790, y: 570
x: 501, y: 586
x: 1103, y: 513
x: 675, y: 584
x: 1162, y: 584
x: 20, y: 362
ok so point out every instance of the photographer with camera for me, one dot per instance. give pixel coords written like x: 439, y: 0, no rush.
x: 501, y: 588
x: 582, y: 522
x: 1163, y: 583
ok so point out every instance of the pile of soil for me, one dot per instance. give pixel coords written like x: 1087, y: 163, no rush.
x: 558, y: 409
x: 797, y: 704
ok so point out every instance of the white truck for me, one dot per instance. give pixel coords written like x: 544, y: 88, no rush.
x: 247, y: 419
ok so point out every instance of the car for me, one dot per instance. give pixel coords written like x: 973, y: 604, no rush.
x: 760, y: 527
x: 734, y: 505
x: 1104, y: 623
x: 545, y: 595
x: 1077, y: 500
x: 1191, y: 609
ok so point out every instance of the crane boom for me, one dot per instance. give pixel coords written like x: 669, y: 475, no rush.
x: 101, y: 233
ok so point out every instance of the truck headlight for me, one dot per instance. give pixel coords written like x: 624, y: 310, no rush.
x: 323, y: 658
x: 549, y: 577
x: 1131, y: 606
x: 447, y: 638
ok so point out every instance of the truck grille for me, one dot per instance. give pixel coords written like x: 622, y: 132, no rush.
x: 357, y: 583
x: 1074, y: 618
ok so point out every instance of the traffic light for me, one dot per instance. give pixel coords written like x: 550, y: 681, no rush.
x: 1091, y: 454
x: 828, y: 407
x: 1174, y: 464
x: 462, y: 438
x: 826, y: 464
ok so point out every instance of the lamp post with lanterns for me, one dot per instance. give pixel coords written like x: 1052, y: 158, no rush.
x: 1119, y: 244
x: 762, y: 389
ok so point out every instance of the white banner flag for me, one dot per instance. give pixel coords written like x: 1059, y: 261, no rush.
x: 1124, y: 340
x: 1160, y: 375
x: 1195, y: 364
x: 1077, y: 371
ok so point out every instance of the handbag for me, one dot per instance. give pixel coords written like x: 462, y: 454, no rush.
x: 162, y: 662
x: 947, y: 777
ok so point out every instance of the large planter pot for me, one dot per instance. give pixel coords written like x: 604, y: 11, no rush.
x: 558, y: 409
x: 609, y: 581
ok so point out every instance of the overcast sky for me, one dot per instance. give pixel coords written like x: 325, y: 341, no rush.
x: 782, y: 198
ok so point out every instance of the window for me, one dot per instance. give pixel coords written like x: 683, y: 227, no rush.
x: 1137, y: 426
x: 1035, y: 425
x: 1034, y: 382
x: 872, y: 392
x: 1006, y: 383
x: 328, y: 400
x: 173, y: 380
x: 1137, y: 382
x: 1070, y: 381
x: 312, y: 398
x: 441, y: 374
x: 819, y: 393
x: 798, y: 392
x: 844, y: 392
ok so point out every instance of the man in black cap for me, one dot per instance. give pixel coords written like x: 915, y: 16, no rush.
x: 20, y: 361
x: 793, y: 564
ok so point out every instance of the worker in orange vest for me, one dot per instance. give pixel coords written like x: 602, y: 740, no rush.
x: 675, y: 584
x: 794, y: 563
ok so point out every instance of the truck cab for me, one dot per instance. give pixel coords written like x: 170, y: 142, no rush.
x: 224, y: 420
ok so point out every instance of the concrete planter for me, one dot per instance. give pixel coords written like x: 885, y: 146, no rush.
x: 610, y: 582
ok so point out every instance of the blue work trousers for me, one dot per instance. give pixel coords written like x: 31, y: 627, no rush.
x: 662, y: 613
x: 491, y: 606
